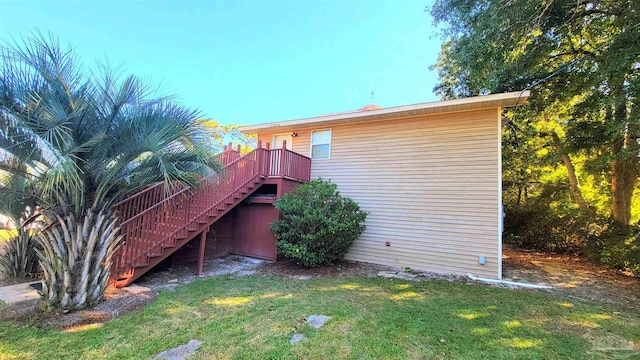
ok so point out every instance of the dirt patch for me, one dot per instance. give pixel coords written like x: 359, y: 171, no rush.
x: 23, y: 311
x: 573, y: 276
x: 290, y: 268
x: 286, y: 267
x: 184, y: 274
x: 120, y: 301
x: 116, y: 303
x: 6, y: 281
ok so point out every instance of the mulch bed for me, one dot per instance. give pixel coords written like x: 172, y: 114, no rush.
x: 7, y: 281
x: 116, y: 303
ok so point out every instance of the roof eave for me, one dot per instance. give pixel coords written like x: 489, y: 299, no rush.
x: 437, y: 107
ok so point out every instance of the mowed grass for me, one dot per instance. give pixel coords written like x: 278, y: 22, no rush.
x: 371, y: 318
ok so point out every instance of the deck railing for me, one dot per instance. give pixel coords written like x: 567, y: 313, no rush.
x: 155, y: 194
x: 228, y: 155
x: 151, y: 220
x: 288, y: 164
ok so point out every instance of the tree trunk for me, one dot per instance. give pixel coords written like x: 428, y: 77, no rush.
x: 622, y: 184
x: 574, y: 184
x: 624, y: 176
x: 624, y: 172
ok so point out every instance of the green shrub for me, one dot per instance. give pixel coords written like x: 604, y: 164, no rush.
x: 617, y: 248
x: 536, y: 226
x: 19, y: 259
x: 317, y: 225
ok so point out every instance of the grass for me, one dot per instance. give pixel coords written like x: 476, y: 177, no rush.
x: 7, y: 234
x: 371, y: 318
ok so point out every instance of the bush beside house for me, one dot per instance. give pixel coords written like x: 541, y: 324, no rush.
x: 317, y: 225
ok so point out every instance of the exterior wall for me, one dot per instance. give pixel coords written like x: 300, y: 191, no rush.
x: 252, y: 236
x: 431, y: 185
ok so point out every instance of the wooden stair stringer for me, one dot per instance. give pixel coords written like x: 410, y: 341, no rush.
x: 152, y: 261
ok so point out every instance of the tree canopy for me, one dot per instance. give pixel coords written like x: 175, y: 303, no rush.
x: 571, y: 154
x: 74, y: 141
x: 84, y: 139
x: 582, y: 61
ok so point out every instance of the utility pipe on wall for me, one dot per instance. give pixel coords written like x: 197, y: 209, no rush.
x: 508, y: 283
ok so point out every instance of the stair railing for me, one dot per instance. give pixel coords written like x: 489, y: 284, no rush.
x: 161, y: 224
x: 152, y: 221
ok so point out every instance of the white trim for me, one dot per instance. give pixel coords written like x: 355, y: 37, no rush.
x: 500, y: 207
x: 511, y: 284
x: 311, y: 143
x: 273, y: 139
x: 470, y: 103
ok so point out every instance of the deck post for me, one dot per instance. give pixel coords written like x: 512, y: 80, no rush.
x: 258, y: 167
x: 203, y: 244
x: 282, y: 155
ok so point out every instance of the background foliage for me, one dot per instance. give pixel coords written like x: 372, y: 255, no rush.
x: 571, y: 154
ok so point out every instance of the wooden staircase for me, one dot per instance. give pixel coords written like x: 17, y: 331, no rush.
x: 156, y: 222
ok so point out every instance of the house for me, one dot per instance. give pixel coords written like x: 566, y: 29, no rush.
x: 429, y: 175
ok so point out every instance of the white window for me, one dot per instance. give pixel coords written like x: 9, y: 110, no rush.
x: 320, y: 144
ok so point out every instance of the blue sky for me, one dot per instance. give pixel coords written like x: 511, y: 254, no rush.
x: 248, y: 62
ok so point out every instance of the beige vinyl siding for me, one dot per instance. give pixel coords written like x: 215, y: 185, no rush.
x: 431, y: 185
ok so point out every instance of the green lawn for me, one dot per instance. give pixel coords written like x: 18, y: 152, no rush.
x: 7, y: 234
x: 371, y: 318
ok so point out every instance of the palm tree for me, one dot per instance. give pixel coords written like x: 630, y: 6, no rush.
x: 85, y: 140
x: 19, y: 260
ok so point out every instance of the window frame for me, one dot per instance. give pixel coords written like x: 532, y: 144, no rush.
x: 329, y: 143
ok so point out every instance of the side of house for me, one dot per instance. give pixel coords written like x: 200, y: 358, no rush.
x: 431, y: 182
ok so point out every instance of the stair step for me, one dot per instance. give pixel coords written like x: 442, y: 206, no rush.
x: 141, y: 264
x: 180, y: 225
